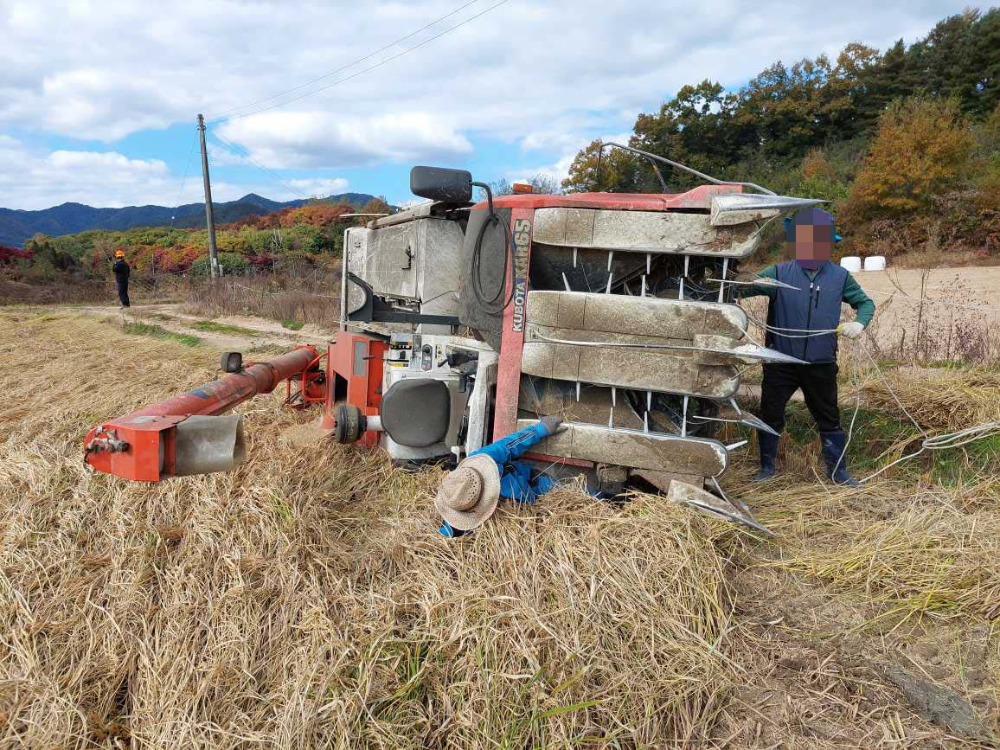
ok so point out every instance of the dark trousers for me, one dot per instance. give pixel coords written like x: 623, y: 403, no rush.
x: 123, y: 293
x: 819, y: 386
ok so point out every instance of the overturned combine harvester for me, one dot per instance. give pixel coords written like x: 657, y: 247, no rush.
x: 462, y: 322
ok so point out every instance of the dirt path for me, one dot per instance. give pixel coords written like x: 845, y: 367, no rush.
x: 235, y: 332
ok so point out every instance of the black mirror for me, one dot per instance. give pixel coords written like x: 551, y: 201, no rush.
x: 439, y: 184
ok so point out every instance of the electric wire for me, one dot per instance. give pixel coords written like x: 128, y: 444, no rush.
x: 370, y: 67
x: 490, y: 305
x: 223, y: 115
x: 241, y: 151
x: 187, y: 167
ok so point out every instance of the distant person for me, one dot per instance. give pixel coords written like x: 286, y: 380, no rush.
x: 468, y: 496
x: 804, y: 322
x: 121, y: 271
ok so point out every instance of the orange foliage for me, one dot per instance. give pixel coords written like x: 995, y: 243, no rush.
x: 921, y: 150
x: 319, y: 214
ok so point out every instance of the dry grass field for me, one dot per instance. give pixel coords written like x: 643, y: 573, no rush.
x: 305, y: 600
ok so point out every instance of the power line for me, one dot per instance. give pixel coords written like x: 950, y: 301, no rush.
x: 351, y: 64
x: 372, y: 67
x: 241, y: 151
x: 187, y: 166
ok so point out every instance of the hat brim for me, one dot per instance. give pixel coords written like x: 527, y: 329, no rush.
x: 466, y: 520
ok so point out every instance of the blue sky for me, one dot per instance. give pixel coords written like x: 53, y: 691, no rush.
x: 98, y: 99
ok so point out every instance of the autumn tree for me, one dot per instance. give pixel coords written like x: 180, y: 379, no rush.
x: 920, y: 150
x: 599, y: 167
x: 375, y: 206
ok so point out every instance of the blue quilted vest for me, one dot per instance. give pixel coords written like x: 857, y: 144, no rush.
x: 815, y: 306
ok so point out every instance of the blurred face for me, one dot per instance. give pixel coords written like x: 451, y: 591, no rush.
x: 813, y: 243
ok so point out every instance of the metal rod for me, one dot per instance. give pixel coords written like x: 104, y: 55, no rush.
x: 725, y: 271
x: 678, y: 165
x: 575, y: 249
x: 684, y: 419
x: 566, y: 282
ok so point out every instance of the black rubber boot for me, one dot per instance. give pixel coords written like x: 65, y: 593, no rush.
x: 768, y: 455
x: 835, y: 457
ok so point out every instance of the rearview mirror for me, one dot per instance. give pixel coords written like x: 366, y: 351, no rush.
x: 439, y: 184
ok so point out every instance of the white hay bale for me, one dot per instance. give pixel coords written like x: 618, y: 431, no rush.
x: 852, y: 263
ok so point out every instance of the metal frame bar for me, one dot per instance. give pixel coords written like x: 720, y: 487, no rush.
x: 678, y: 165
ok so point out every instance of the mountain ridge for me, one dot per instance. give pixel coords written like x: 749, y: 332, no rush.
x: 17, y: 226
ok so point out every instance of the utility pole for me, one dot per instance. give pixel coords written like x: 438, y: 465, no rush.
x: 213, y: 254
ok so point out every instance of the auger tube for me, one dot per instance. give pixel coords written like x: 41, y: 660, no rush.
x: 152, y: 443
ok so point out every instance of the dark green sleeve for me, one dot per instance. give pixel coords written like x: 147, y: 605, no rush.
x: 855, y: 296
x: 743, y: 290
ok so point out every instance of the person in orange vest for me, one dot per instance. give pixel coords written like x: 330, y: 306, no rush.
x: 121, y: 270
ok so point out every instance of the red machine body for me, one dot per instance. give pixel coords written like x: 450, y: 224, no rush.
x: 355, y: 376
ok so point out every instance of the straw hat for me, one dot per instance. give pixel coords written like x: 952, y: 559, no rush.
x: 469, y: 494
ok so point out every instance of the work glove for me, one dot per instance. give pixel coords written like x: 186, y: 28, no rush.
x: 851, y: 330
x: 553, y: 425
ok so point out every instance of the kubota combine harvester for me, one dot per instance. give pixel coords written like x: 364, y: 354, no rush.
x: 462, y: 322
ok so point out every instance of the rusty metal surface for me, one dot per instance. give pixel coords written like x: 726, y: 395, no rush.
x: 636, y: 450
x: 644, y: 231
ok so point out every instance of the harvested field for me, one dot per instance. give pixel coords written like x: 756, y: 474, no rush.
x: 306, y: 601
x: 936, y: 313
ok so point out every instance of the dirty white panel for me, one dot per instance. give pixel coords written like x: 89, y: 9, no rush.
x: 643, y: 231
x: 634, y: 449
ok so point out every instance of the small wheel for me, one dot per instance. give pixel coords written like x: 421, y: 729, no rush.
x: 349, y: 423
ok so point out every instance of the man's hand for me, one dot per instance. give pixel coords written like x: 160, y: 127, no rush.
x: 851, y: 330
x: 553, y: 425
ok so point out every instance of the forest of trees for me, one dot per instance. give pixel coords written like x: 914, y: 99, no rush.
x: 307, y: 236
x: 904, y: 143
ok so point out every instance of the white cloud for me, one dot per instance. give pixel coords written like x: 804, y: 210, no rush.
x: 32, y: 179
x: 568, y: 145
x: 316, y: 188
x: 545, y: 74
x: 102, y: 70
x: 328, y: 140
x: 219, y: 156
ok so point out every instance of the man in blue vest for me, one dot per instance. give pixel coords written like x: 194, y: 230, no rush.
x: 804, y: 322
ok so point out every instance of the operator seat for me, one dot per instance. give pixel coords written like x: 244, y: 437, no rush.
x: 416, y: 412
